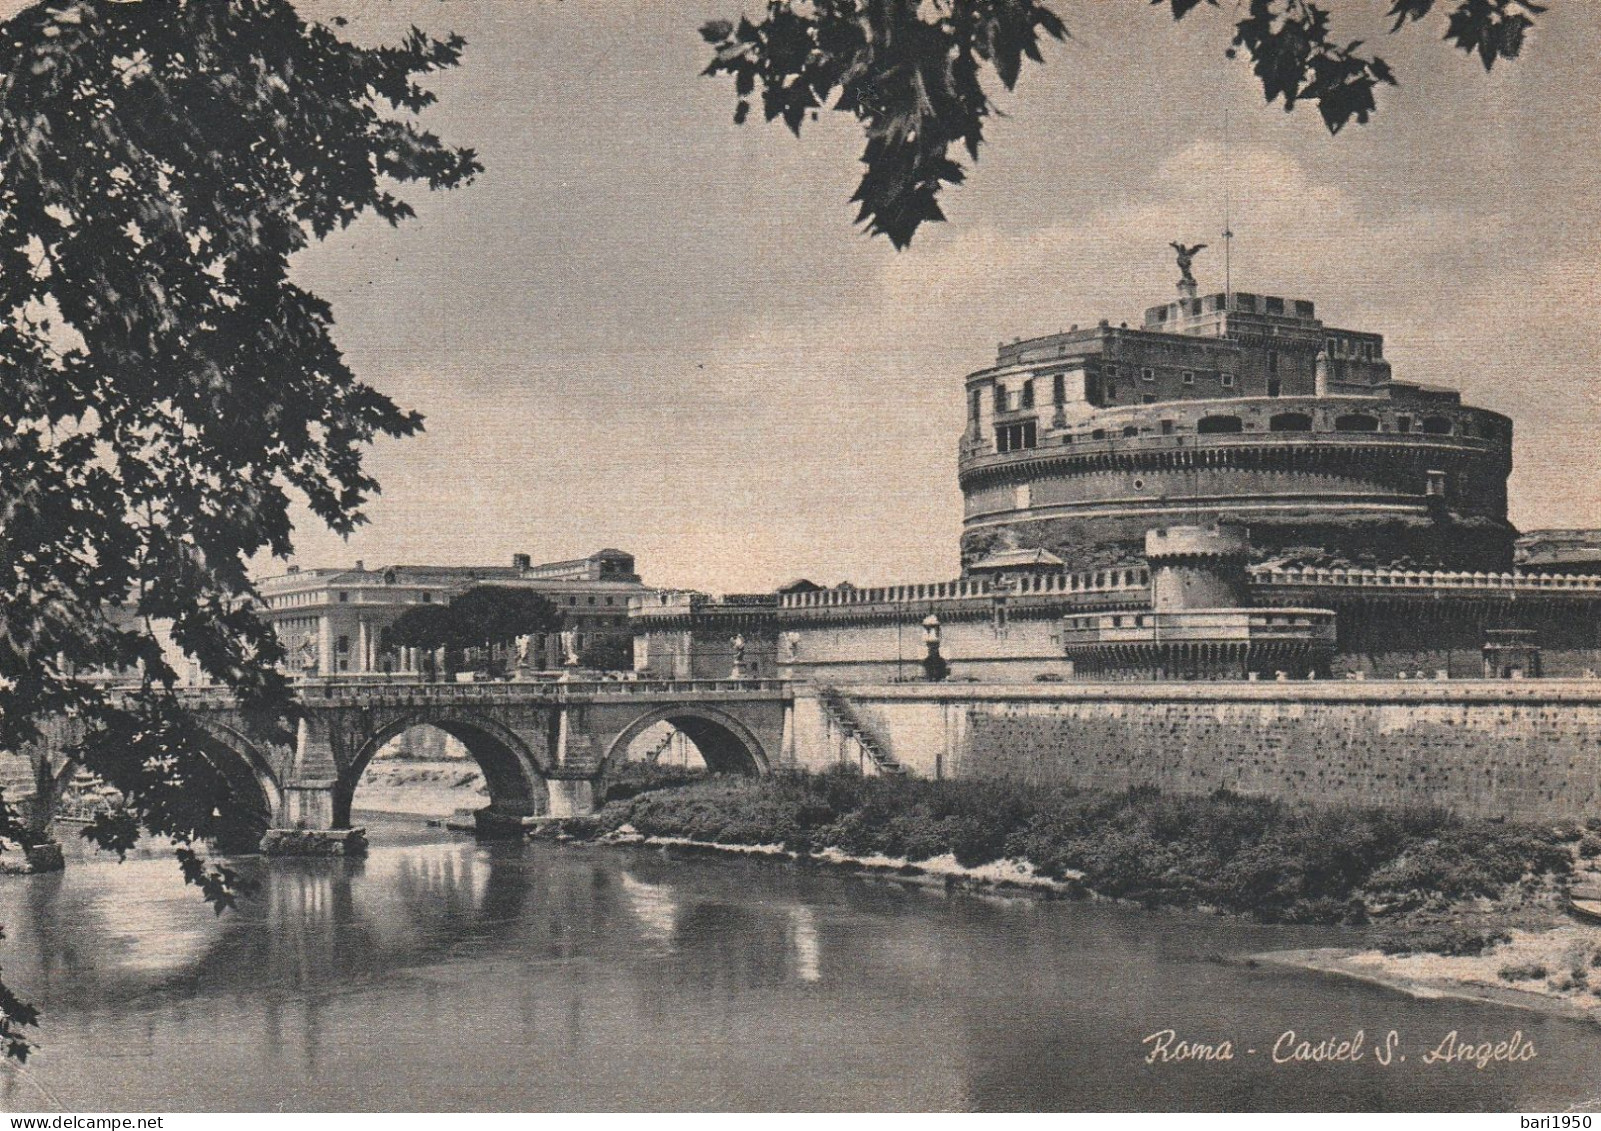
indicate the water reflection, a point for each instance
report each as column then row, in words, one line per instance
column 443, row 974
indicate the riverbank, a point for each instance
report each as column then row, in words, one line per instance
column 1547, row 970
column 421, row 787
column 944, row 871
column 1274, row 861
column 1454, row 907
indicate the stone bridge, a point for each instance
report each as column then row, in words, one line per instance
column 545, row 749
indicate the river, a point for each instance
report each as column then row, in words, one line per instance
column 441, row 974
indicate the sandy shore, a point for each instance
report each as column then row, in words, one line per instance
column 421, row 788
column 1548, row 971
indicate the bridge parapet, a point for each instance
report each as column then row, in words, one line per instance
column 365, row 692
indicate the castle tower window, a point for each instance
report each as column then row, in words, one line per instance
column 1028, row 394
column 1210, row 425
column 1015, row 437
column 344, row 596
column 1274, row 386
column 1290, row 422
column 1272, row 360
column 1000, row 397
column 1131, row 430
column 1437, row 425
column 1367, row 351
column 1356, row 422
column 1435, row 484
column 1403, row 424
column 1227, row 380
column 1148, row 398
column 1147, row 374
column 427, row 597
column 1333, row 345
column 974, row 409
column 1167, row 427
column 1189, row 377
column 1059, row 389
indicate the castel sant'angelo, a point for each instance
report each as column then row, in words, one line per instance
column 1234, row 489
column 1235, row 407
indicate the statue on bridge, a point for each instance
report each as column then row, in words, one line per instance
column 738, row 645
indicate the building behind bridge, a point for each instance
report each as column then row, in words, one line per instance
column 337, row 622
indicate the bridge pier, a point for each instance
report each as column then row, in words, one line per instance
column 572, row 796
column 39, row 812
column 304, row 823
column 499, row 822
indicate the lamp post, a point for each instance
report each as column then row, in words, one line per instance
column 935, row 668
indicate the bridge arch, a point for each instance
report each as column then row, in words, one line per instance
column 725, row 744
column 515, row 779
column 250, row 777
column 248, row 774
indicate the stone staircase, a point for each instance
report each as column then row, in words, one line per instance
column 850, row 723
column 660, row 748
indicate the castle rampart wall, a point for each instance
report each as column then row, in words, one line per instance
column 1522, row 749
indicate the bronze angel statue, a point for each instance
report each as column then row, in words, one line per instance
column 1186, row 258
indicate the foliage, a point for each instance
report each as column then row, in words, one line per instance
column 630, row 779
column 485, row 615
column 430, row 627
column 605, row 653
column 1523, row 972
column 913, row 73
column 1276, row 861
column 168, row 388
column 496, row 614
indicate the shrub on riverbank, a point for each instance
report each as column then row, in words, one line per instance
column 1278, row 861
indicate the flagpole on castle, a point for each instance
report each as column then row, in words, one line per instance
column 1228, row 231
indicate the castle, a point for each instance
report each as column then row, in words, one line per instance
column 1234, row 490
column 1234, row 407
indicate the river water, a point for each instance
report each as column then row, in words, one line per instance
column 441, row 974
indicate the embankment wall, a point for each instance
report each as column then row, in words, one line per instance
column 1523, row 749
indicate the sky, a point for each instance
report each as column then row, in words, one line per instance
column 646, row 327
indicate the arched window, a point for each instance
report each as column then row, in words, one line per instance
column 1290, row 422
column 1437, row 425
column 1356, row 422
column 1211, row 424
